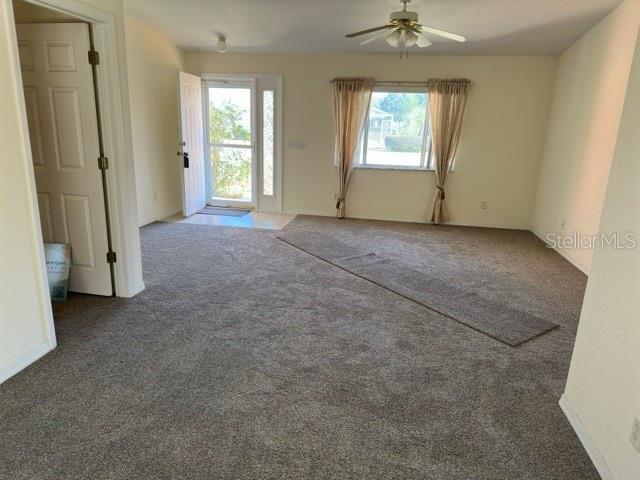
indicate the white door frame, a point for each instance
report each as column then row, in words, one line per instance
column 278, row 150
column 117, row 143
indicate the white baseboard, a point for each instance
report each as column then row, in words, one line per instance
column 422, row 222
column 564, row 253
column 158, row 218
column 25, row 360
column 587, row 442
column 487, row 225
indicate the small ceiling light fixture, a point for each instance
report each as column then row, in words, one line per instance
column 222, row 43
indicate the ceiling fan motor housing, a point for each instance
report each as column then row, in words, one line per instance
column 403, row 17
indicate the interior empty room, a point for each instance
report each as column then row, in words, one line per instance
column 374, row 239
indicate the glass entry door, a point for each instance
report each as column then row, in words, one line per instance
column 232, row 143
column 243, row 124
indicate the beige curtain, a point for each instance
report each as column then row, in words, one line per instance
column 351, row 98
column 447, row 101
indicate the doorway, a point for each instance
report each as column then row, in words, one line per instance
column 243, row 148
column 232, row 144
column 70, row 150
column 67, row 148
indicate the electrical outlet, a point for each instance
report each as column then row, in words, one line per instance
column 155, row 196
column 635, row 434
column 484, row 205
column 563, row 224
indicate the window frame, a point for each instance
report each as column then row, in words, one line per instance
column 426, row 155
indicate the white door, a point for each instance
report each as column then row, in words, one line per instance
column 192, row 144
column 61, row 113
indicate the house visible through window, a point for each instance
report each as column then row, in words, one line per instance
column 397, row 133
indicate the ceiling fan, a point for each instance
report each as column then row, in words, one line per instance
column 403, row 30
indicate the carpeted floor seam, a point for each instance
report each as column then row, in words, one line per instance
column 417, row 302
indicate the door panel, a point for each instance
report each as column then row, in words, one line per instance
column 61, row 114
column 77, row 229
column 192, row 145
column 46, row 220
column 26, row 55
column 67, row 128
column 60, row 56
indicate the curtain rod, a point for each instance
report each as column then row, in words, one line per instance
column 399, row 82
column 394, row 82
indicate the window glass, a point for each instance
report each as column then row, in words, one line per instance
column 396, row 133
column 267, row 142
column 230, row 112
column 231, row 173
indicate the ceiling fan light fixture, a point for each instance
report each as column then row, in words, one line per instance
column 393, row 39
column 410, row 38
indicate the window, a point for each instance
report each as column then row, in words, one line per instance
column 397, row 133
column 268, row 139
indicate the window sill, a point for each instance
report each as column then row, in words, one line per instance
column 395, row 168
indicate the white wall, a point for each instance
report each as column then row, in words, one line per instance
column 25, row 311
column 589, row 94
column 500, row 150
column 603, row 388
column 153, row 64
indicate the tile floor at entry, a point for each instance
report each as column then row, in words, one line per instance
column 269, row 221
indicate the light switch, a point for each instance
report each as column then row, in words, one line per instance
column 297, row 145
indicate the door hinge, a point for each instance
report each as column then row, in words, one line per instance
column 94, row 57
column 111, row 257
column 103, row 163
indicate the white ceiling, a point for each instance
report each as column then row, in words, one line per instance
column 493, row 27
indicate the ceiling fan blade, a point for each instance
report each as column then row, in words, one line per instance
column 442, row 33
column 376, row 36
column 423, row 41
column 370, row 30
